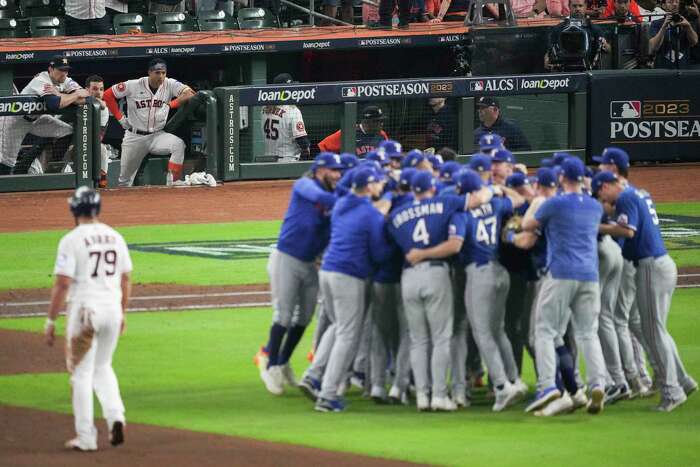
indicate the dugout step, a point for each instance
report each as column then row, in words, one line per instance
column 153, row 171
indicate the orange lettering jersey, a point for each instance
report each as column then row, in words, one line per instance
column 148, row 111
column 364, row 142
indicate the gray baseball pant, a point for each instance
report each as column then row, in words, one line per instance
column 560, row 301
column 322, row 323
column 458, row 345
column 485, row 298
column 361, row 363
column 294, row 289
column 517, row 316
column 135, row 147
column 345, row 296
column 656, row 281
column 14, row 129
column 427, row 300
column 610, row 272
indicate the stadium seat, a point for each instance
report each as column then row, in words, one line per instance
column 8, row 9
column 216, row 21
column 130, row 21
column 10, row 27
column 137, row 6
column 255, row 18
column 31, row 8
column 174, row 22
column 47, row 26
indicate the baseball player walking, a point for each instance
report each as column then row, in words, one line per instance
column 92, row 275
column 638, row 222
column 58, row 91
column 303, row 236
column 148, row 101
column 283, row 129
column 570, row 290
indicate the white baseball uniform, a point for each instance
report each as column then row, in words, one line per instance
column 95, row 256
column 14, row 129
column 281, row 125
column 104, row 156
column 148, row 113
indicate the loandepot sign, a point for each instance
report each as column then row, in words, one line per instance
column 215, row 249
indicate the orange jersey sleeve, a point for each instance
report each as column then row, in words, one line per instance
column 331, row 143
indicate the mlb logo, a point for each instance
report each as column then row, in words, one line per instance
column 625, row 109
column 476, row 86
column 350, row 92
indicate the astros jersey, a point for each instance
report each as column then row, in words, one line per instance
column 483, row 228
column 37, row 86
column 635, row 209
column 95, row 256
column 281, row 125
column 364, row 142
column 148, row 111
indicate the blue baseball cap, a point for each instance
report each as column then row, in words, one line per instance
column 406, row 177
column 613, row 155
column 546, row 177
column 557, row 170
column 379, row 156
column 328, row 160
column 490, row 141
column 517, row 180
column 468, row 181
column 422, row 181
column 600, row 178
column 363, row 176
column 349, row 160
column 449, row 169
column 413, row 158
column 436, row 161
column 573, row 169
column 480, row 162
column 547, row 162
column 504, row 155
column 559, row 157
column 589, row 172
column 391, row 148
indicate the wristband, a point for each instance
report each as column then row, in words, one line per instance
column 49, row 323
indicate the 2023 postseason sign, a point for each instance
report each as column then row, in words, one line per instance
column 653, row 115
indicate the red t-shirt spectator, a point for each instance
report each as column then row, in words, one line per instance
column 634, row 10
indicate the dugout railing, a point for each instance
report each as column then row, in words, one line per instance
column 550, row 109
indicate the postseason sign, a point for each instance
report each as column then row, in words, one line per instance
column 655, row 115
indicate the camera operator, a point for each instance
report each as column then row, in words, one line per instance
column 672, row 37
column 692, row 12
column 560, row 56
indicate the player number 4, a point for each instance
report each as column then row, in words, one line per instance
column 482, row 231
column 420, row 233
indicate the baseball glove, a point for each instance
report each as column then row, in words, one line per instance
column 514, row 224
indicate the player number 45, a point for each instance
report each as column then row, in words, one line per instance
column 270, row 128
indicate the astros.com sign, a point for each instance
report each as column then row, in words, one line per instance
column 22, row 108
column 550, row 84
column 285, row 95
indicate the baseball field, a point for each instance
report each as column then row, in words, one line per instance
column 200, row 312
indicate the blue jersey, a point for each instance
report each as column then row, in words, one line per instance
column 635, row 209
column 483, row 231
column 389, row 272
column 358, row 240
column 570, row 222
column 306, row 227
column 426, row 223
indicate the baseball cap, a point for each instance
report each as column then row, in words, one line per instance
column 573, row 169
column 589, row 173
column 413, row 158
column 490, row 141
column 517, row 180
column 436, row 161
column 559, row 157
column 546, row 177
column 468, row 181
column 547, row 162
column 422, row 181
column 504, row 155
column 449, row 169
column 600, row 178
column 406, row 177
column 372, row 112
column 613, row 155
column 486, row 101
column 480, row 163
column 60, row 62
column 283, row 78
column 349, row 160
column 363, row 176
column 391, row 148
column 379, row 156
column 557, row 171
column 328, row 160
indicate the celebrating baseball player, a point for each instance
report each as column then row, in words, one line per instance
column 149, row 100
column 283, row 129
column 58, row 91
column 92, row 275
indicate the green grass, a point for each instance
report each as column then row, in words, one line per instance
column 193, row 370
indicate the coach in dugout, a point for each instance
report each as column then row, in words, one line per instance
column 368, row 133
column 493, row 122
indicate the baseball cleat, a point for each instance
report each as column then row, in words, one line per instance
column 580, row 399
column 116, row 434
column 310, row 387
column 329, row 405
column 543, row 398
column 668, row 405
column 442, row 404
column 76, row 445
column 564, row 404
column 597, row 401
column 260, row 359
column 378, row 395
column 398, row 397
column 521, row 387
column 273, row 379
column 617, row 393
column 462, row 400
column 505, row 397
column 288, row 375
column 358, row 379
column 422, row 402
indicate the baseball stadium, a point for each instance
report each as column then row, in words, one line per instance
column 388, row 232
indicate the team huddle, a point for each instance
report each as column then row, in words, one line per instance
column 416, row 266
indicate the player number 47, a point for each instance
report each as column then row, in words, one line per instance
column 482, row 231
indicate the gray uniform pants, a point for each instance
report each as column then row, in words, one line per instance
column 135, row 147
column 345, row 307
column 559, row 301
column 656, row 281
column 389, row 336
column 361, row 363
column 427, row 299
column 14, row 129
column 458, row 346
column 485, row 298
column 294, row 289
column 610, row 271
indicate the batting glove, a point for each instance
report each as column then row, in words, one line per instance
column 124, row 122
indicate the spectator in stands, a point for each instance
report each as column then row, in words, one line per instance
column 454, row 10
column 368, row 134
column 528, row 8
column 493, row 122
column 693, row 10
column 87, row 18
column 623, row 10
column 670, row 32
column 116, row 7
column 166, row 6
column 440, row 129
column 330, row 8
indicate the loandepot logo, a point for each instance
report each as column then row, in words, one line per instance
column 549, row 84
column 680, row 232
column 22, row 107
column 215, row 249
column 284, row 95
